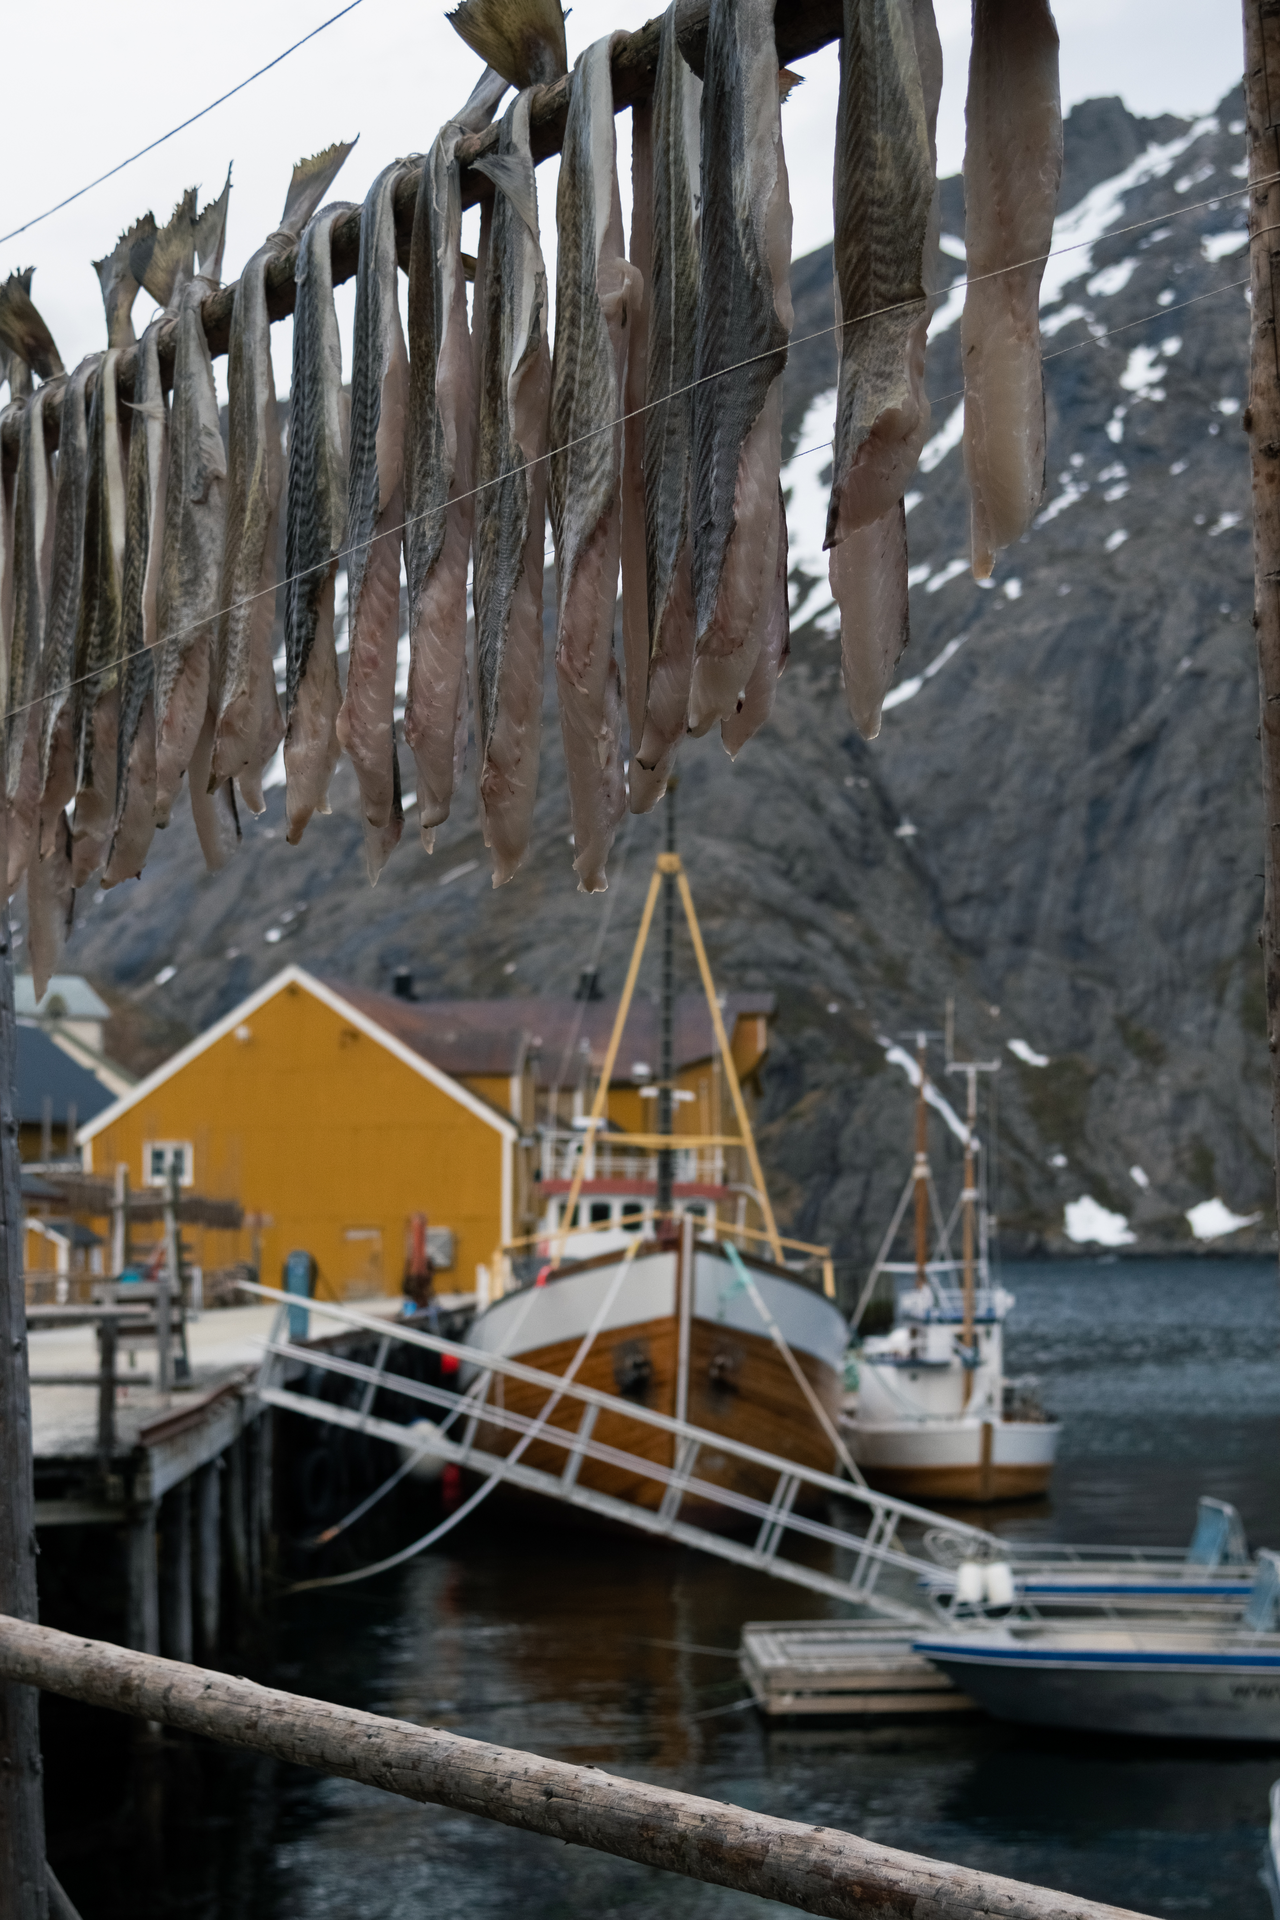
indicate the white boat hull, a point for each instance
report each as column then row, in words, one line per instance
column 1166, row 1691
column 962, row 1459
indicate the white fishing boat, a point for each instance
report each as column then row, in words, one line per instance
column 932, row 1415
column 1184, row 1680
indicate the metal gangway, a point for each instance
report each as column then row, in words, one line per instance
column 783, row 1530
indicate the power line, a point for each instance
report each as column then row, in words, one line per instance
column 180, row 128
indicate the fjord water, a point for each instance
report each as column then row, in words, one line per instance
column 610, row 1652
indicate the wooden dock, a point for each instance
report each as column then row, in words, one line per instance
column 184, row 1478
column 830, row 1669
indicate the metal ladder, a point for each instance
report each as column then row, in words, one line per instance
column 858, row 1558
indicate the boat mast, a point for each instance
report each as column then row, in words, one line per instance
column 666, row 1065
column 920, row 1167
column 969, row 1195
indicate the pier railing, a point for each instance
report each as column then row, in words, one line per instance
column 785, row 1527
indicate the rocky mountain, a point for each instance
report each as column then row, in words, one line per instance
column 1059, row 825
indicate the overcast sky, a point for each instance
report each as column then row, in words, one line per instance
column 391, row 72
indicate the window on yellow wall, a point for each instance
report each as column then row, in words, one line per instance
column 159, row 1156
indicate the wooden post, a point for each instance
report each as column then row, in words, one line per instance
column 108, row 1335
column 266, row 1425
column 23, row 1887
column 820, row 1870
column 251, row 1440
column 685, row 1289
column 237, row 1536
column 120, row 1221
column 142, row 1624
column 209, row 1554
column 175, row 1573
column 1262, row 423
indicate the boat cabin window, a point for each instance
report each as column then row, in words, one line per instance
column 601, row 1212
column 564, row 1210
column 698, row 1211
column 632, row 1211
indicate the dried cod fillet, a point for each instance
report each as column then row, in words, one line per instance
column 744, row 320
column 885, row 260
column 523, row 40
column 375, row 523
column 135, row 817
column 50, row 904
column 1012, row 169
column 57, row 669
column 672, row 295
column 249, row 723
column 635, row 581
column 97, row 663
column 439, row 469
column 514, row 390
column 32, row 558
column 756, row 704
column 211, row 235
column 190, row 557
column 315, row 521
column 595, row 290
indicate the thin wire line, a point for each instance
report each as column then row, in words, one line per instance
column 676, row 393
column 180, row 128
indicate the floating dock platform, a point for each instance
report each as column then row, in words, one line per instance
column 832, row 1669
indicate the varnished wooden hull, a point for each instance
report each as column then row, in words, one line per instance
column 738, row 1384
column 926, row 1484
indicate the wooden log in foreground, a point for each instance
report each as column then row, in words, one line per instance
column 818, row 1869
column 800, row 27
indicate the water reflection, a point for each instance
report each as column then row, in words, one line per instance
column 608, row 1651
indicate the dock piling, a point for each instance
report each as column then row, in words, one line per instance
column 208, row 1503
column 175, row 1574
column 142, row 1604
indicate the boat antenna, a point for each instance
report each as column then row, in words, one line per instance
column 666, row 1069
column 969, row 1196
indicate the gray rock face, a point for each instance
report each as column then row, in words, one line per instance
column 1059, row 826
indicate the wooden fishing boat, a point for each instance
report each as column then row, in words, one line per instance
column 678, row 1331
column 654, row 1299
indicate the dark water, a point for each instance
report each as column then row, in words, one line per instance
column 1167, row 1378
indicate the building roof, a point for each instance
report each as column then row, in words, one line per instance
column 335, row 998
column 492, row 1037
column 45, row 1071
column 68, row 996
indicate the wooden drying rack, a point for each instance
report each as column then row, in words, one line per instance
column 800, row 28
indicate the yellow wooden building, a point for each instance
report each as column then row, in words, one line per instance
column 333, row 1114
column 329, row 1131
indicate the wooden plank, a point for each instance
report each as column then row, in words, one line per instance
column 819, row 1870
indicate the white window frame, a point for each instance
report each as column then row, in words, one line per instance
column 167, row 1149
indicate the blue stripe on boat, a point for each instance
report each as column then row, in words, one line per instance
column 1269, row 1662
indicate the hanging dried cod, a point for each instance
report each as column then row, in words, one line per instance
column 97, row 662
column 595, row 290
column 315, row 521
column 32, row 563
column 191, row 551
column 375, row 523
column 885, row 269
column 439, row 468
column 744, row 320
column 1012, row 169
column 514, row 390
column 663, row 671
column 249, row 723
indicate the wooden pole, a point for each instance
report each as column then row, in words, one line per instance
column 1262, row 424
column 142, row 1581
column 820, row 1870
column 175, row 1573
column 23, row 1887
column 208, row 1502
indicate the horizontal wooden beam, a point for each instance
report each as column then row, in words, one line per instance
column 820, row 1870
column 800, row 27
